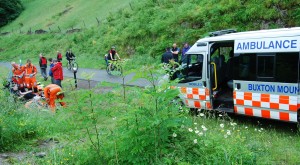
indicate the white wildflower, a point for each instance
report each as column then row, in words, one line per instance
column 200, row 134
column 220, row 115
column 195, row 123
column 190, row 130
column 246, row 127
column 222, row 125
column 196, row 131
column 233, row 124
column 174, row 134
column 195, row 141
column 204, row 128
column 228, row 132
column 114, row 118
column 201, row 114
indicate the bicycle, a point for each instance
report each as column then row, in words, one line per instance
column 72, row 64
column 114, row 68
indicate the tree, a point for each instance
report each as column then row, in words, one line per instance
column 9, row 10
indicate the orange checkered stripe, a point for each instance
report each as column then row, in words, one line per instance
column 272, row 101
column 273, row 106
column 269, row 114
column 195, row 97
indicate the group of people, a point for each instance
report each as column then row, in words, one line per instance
column 172, row 53
column 24, row 78
column 55, row 71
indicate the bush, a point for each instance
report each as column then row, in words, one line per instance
column 9, row 10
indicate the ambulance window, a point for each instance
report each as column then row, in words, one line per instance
column 265, row 66
column 244, row 67
column 193, row 70
column 287, row 67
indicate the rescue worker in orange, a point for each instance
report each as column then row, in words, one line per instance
column 18, row 74
column 29, row 72
column 51, row 93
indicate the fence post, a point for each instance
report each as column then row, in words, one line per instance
column 130, row 6
column 98, row 21
column 84, row 24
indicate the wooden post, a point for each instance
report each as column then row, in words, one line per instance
column 98, row 21
column 130, row 6
column 84, row 24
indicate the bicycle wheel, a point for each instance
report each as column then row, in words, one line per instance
column 74, row 66
column 108, row 70
column 68, row 66
column 119, row 71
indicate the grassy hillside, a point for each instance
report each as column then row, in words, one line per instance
column 42, row 14
column 143, row 30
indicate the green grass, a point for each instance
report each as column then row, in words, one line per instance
column 44, row 14
column 131, row 125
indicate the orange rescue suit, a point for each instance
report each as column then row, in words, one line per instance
column 30, row 81
column 18, row 76
column 50, row 92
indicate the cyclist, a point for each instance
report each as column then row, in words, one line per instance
column 111, row 54
column 70, row 56
column 51, row 93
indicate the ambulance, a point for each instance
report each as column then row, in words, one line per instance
column 254, row 73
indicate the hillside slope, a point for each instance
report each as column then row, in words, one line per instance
column 143, row 30
column 42, row 14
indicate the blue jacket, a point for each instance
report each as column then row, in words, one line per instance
column 50, row 72
column 183, row 56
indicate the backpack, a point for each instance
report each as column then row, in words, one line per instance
column 44, row 61
column 59, row 56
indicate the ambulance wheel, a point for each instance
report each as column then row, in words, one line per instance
column 194, row 111
column 298, row 116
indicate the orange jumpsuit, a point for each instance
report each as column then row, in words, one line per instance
column 30, row 82
column 18, row 76
column 50, row 92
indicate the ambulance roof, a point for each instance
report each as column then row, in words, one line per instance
column 284, row 32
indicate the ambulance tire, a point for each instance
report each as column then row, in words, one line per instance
column 194, row 111
column 298, row 117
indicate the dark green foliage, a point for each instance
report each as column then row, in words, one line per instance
column 9, row 10
column 156, row 24
column 144, row 30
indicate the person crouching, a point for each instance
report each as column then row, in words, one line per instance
column 53, row 92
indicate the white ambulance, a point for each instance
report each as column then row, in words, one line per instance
column 253, row 73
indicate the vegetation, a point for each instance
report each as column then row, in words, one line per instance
column 130, row 125
column 9, row 10
column 143, row 127
column 143, row 30
column 63, row 14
